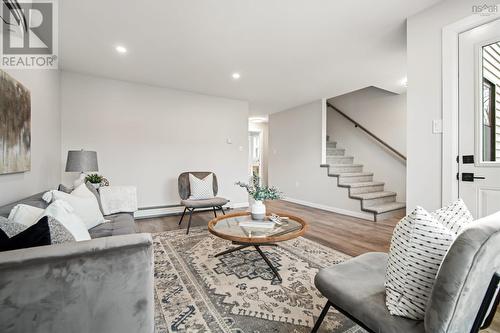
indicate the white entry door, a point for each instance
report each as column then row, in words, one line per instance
column 479, row 119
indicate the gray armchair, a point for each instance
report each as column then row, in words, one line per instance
column 102, row 285
column 191, row 205
column 464, row 298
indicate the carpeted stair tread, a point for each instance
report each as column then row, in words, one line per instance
column 335, row 152
column 343, row 165
column 385, row 207
column 363, row 184
column 373, row 195
column 355, row 174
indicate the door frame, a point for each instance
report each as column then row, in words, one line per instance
column 450, row 92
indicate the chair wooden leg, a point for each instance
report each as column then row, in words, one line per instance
column 321, row 317
column 215, row 212
column 222, row 209
column 183, row 213
column 190, row 217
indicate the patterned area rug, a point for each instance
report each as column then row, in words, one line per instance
column 196, row 292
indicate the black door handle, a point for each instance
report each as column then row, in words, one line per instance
column 469, row 177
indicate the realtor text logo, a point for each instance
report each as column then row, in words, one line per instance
column 485, row 9
column 29, row 34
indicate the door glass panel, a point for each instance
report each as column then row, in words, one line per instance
column 490, row 103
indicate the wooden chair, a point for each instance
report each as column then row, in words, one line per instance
column 191, row 205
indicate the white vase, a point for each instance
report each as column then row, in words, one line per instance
column 96, row 186
column 258, row 210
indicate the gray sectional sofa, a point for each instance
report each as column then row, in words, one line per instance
column 101, row 285
column 119, row 224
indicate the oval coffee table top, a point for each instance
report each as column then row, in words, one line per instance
column 240, row 228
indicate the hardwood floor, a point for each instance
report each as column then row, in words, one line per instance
column 347, row 234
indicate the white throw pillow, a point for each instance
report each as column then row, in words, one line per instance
column 84, row 203
column 25, row 214
column 65, row 214
column 454, row 217
column 201, row 188
column 419, row 244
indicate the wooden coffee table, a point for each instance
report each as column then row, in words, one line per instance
column 241, row 230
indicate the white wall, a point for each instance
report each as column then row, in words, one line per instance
column 424, row 100
column 45, row 137
column 146, row 136
column 382, row 113
column 295, row 158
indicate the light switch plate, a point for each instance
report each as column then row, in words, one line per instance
column 437, row 126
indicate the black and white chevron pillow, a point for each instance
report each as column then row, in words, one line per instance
column 419, row 244
column 201, row 188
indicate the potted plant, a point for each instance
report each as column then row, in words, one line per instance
column 259, row 193
column 95, row 179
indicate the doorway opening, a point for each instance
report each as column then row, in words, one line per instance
column 257, row 152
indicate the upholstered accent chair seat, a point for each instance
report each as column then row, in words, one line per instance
column 357, row 287
column 463, row 298
column 216, row 203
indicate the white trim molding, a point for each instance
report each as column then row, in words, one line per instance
column 449, row 168
column 324, row 111
column 177, row 209
column 361, row 215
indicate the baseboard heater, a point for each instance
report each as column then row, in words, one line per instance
column 168, row 210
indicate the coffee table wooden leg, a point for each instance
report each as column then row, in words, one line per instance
column 275, row 271
column 231, row 250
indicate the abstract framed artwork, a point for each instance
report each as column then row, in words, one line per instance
column 15, row 126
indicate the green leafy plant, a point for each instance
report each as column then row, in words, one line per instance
column 94, row 178
column 258, row 192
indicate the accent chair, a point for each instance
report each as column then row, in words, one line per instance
column 191, row 205
column 464, row 297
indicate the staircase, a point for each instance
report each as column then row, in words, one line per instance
column 371, row 194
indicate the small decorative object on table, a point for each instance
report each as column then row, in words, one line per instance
column 95, row 179
column 278, row 220
column 260, row 193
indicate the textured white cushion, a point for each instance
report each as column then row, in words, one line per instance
column 58, row 232
column 84, row 203
column 419, row 244
column 25, row 214
column 11, row 228
column 201, row 188
column 65, row 214
column 454, row 217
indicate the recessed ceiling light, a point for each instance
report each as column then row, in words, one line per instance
column 121, row 49
column 236, row 76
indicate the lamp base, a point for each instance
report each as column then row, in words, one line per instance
column 80, row 180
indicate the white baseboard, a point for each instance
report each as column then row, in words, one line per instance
column 174, row 210
column 361, row 215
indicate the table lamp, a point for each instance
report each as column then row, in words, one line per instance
column 81, row 161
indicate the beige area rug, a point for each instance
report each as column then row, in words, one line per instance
column 237, row 292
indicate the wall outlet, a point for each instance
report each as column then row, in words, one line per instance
column 297, row 184
column 240, row 148
column 437, row 126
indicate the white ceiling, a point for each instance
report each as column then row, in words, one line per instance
column 288, row 52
